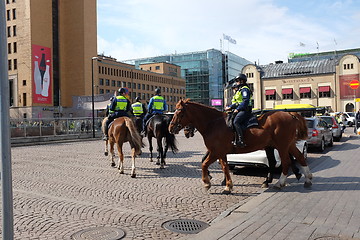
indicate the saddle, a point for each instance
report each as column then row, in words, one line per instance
column 250, row 122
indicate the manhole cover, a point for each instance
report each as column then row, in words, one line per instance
column 99, row 233
column 186, row 226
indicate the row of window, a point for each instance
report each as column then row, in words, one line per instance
column 249, row 75
column 135, row 75
column 12, row 49
column 8, row 1
column 271, row 94
column 349, row 66
column 8, row 14
column 144, row 87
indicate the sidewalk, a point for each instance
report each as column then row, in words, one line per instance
column 329, row 210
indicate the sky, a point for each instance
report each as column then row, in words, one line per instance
column 265, row 31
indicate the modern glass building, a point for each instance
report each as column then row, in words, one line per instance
column 206, row 72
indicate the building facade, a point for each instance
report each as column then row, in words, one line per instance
column 205, row 72
column 329, row 82
column 50, row 45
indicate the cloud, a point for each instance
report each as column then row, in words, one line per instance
column 264, row 30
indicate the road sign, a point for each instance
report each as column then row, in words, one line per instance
column 357, row 99
column 354, row 84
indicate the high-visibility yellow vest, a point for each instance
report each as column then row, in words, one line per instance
column 137, row 108
column 121, row 103
column 238, row 98
column 158, row 103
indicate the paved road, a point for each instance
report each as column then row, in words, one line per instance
column 63, row 188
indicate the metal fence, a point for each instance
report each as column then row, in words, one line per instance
column 50, row 127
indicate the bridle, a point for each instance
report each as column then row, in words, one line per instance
column 180, row 113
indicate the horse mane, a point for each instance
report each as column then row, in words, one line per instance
column 210, row 109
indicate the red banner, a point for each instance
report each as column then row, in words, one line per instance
column 345, row 90
column 41, row 75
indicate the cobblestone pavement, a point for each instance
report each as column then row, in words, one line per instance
column 60, row 189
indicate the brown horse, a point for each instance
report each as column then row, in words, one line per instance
column 123, row 130
column 276, row 129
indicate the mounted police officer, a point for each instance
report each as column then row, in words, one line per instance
column 157, row 105
column 138, row 110
column 108, row 111
column 120, row 105
column 242, row 103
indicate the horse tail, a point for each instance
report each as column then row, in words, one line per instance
column 135, row 136
column 302, row 129
column 171, row 141
column 103, row 124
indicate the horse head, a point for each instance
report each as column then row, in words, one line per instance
column 180, row 119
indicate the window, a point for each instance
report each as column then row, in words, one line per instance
column 14, row 13
column 101, row 82
column 143, row 87
column 107, row 90
column 24, row 100
column 8, row 15
column 305, row 92
column 134, row 85
column 113, row 83
column 287, row 93
column 270, row 94
column 129, row 84
column 15, row 64
column 9, row 31
column 9, row 48
column 24, row 82
column 14, row 30
column 107, row 82
column 124, row 84
column 101, row 91
column 157, row 68
column 15, row 47
column 118, row 83
column 9, row 64
column 7, row 1
column 139, row 86
column 324, row 91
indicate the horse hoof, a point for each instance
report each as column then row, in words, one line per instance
column 106, row 153
column 265, row 185
column 307, row 184
column 157, row 163
column 162, row 167
column 226, row 191
column 121, row 172
column 298, row 176
column 113, row 164
column 207, row 186
column 133, row 175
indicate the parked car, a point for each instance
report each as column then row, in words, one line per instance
column 319, row 133
column 336, row 127
column 350, row 118
column 259, row 159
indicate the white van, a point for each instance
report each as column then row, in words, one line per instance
column 350, row 118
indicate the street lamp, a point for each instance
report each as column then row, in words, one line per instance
column 92, row 95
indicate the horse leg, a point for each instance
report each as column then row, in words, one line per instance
column 285, row 163
column 225, row 167
column 133, row 155
column 205, row 167
column 161, row 153
column 150, row 147
column 112, row 154
column 106, row 153
column 294, row 168
column 305, row 168
column 121, row 158
column 203, row 159
column 272, row 163
column 165, row 152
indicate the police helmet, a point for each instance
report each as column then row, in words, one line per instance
column 137, row 99
column 240, row 77
column 122, row 90
column 157, row 91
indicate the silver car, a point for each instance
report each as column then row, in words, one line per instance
column 319, row 133
column 336, row 127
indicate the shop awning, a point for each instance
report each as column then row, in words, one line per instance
column 270, row 92
column 324, row 88
column 287, row 91
column 305, row 89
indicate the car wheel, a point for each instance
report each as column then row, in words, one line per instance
column 322, row 145
column 305, row 151
column 331, row 143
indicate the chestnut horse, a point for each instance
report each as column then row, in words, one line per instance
column 123, row 130
column 276, row 129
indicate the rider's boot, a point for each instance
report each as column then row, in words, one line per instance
column 239, row 142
